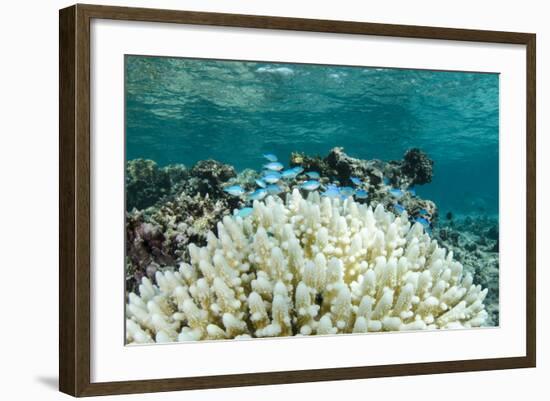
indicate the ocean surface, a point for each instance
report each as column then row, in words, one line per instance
column 185, row 110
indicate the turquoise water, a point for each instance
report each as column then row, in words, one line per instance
column 185, row 110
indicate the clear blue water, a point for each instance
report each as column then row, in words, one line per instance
column 185, row 110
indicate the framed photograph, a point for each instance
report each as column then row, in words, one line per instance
column 250, row 200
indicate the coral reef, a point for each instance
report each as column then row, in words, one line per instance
column 207, row 177
column 346, row 167
column 474, row 243
column 146, row 183
column 158, row 237
column 417, row 167
column 171, row 207
column 379, row 177
column 304, row 267
column 312, row 163
column 145, row 250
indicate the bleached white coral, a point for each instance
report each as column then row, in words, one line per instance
column 305, row 267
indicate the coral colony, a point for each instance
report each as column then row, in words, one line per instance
column 322, row 246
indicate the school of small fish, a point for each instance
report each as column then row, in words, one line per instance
column 274, row 175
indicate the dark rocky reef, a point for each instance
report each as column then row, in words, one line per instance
column 207, row 177
column 146, row 183
column 417, row 167
column 337, row 165
column 346, row 167
column 474, row 243
column 157, row 237
column 145, row 251
column 169, row 207
column 379, row 177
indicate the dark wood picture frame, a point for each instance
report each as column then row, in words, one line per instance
column 74, row 200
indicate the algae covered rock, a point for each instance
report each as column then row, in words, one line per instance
column 159, row 235
column 474, row 243
column 347, row 166
column 209, row 175
column 418, row 166
column 312, row 163
column 146, row 183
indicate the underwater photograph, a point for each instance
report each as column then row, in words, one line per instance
column 268, row 199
